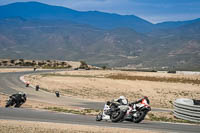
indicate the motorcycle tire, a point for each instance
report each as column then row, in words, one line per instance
column 141, row 117
column 99, row 117
column 9, row 103
column 117, row 116
column 18, row 105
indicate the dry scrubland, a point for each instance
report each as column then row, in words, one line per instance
column 12, row 126
column 49, row 66
column 35, row 63
column 99, row 85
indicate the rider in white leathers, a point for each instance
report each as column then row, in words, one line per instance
column 121, row 100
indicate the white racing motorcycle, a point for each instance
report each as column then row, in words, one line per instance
column 134, row 112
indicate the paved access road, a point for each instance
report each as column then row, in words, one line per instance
column 10, row 83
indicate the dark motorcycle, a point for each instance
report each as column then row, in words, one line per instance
column 13, row 102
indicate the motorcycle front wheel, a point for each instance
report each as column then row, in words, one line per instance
column 9, row 103
column 99, row 116
column 140, row 116
column 117, row 116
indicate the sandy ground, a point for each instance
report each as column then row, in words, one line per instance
column 11, row 126
column 5, row 70
column 93, row 85
column 131, row 73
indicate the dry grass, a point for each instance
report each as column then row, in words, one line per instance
column 12, row 126
column 96, row 86
column 166, row 117
column 156, row 79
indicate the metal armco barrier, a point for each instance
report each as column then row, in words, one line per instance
column 185, row 109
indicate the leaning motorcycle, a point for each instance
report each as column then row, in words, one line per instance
column 134, row 112
column 113, row 112
column 12, row 102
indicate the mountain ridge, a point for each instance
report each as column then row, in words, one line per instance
column 64, row 39
column 36, row 10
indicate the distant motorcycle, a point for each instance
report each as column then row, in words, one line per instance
column 134, row 112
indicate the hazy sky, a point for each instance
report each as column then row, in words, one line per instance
column 151, row 10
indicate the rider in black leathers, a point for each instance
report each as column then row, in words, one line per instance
column 19, row 98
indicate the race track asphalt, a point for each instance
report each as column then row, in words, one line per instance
column 10, row 83
column 46, row 116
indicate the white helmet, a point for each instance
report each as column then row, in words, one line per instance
column 22, row 93
column 124, row 100
column 122, row 97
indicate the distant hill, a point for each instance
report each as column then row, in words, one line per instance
column 175, row 24
column 35, row 10
column 61, row 40
column 40, row 33
column 178, row 47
